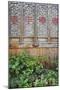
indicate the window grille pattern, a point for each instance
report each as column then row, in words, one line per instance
column 33, row 24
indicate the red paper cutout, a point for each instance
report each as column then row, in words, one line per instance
column 42, row 19
column 14, row 19
column 55, row 20
column 30, row 19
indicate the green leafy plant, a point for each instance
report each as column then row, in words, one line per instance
column 30, row 71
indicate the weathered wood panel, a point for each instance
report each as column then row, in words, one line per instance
column 52, row 53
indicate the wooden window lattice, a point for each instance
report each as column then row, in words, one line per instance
column 35, row 36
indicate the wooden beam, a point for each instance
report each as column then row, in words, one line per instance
column 38, row 37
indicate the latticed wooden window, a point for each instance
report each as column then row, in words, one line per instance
column 33, row 25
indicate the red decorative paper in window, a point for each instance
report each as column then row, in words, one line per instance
column 42, row 19
column 14, row 19
column 30, row 19
column 55, row 20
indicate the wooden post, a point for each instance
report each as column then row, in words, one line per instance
column 21, row 26
column 35, row 39
column 49, row 39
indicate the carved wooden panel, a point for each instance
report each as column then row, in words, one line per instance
column 37, row 20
